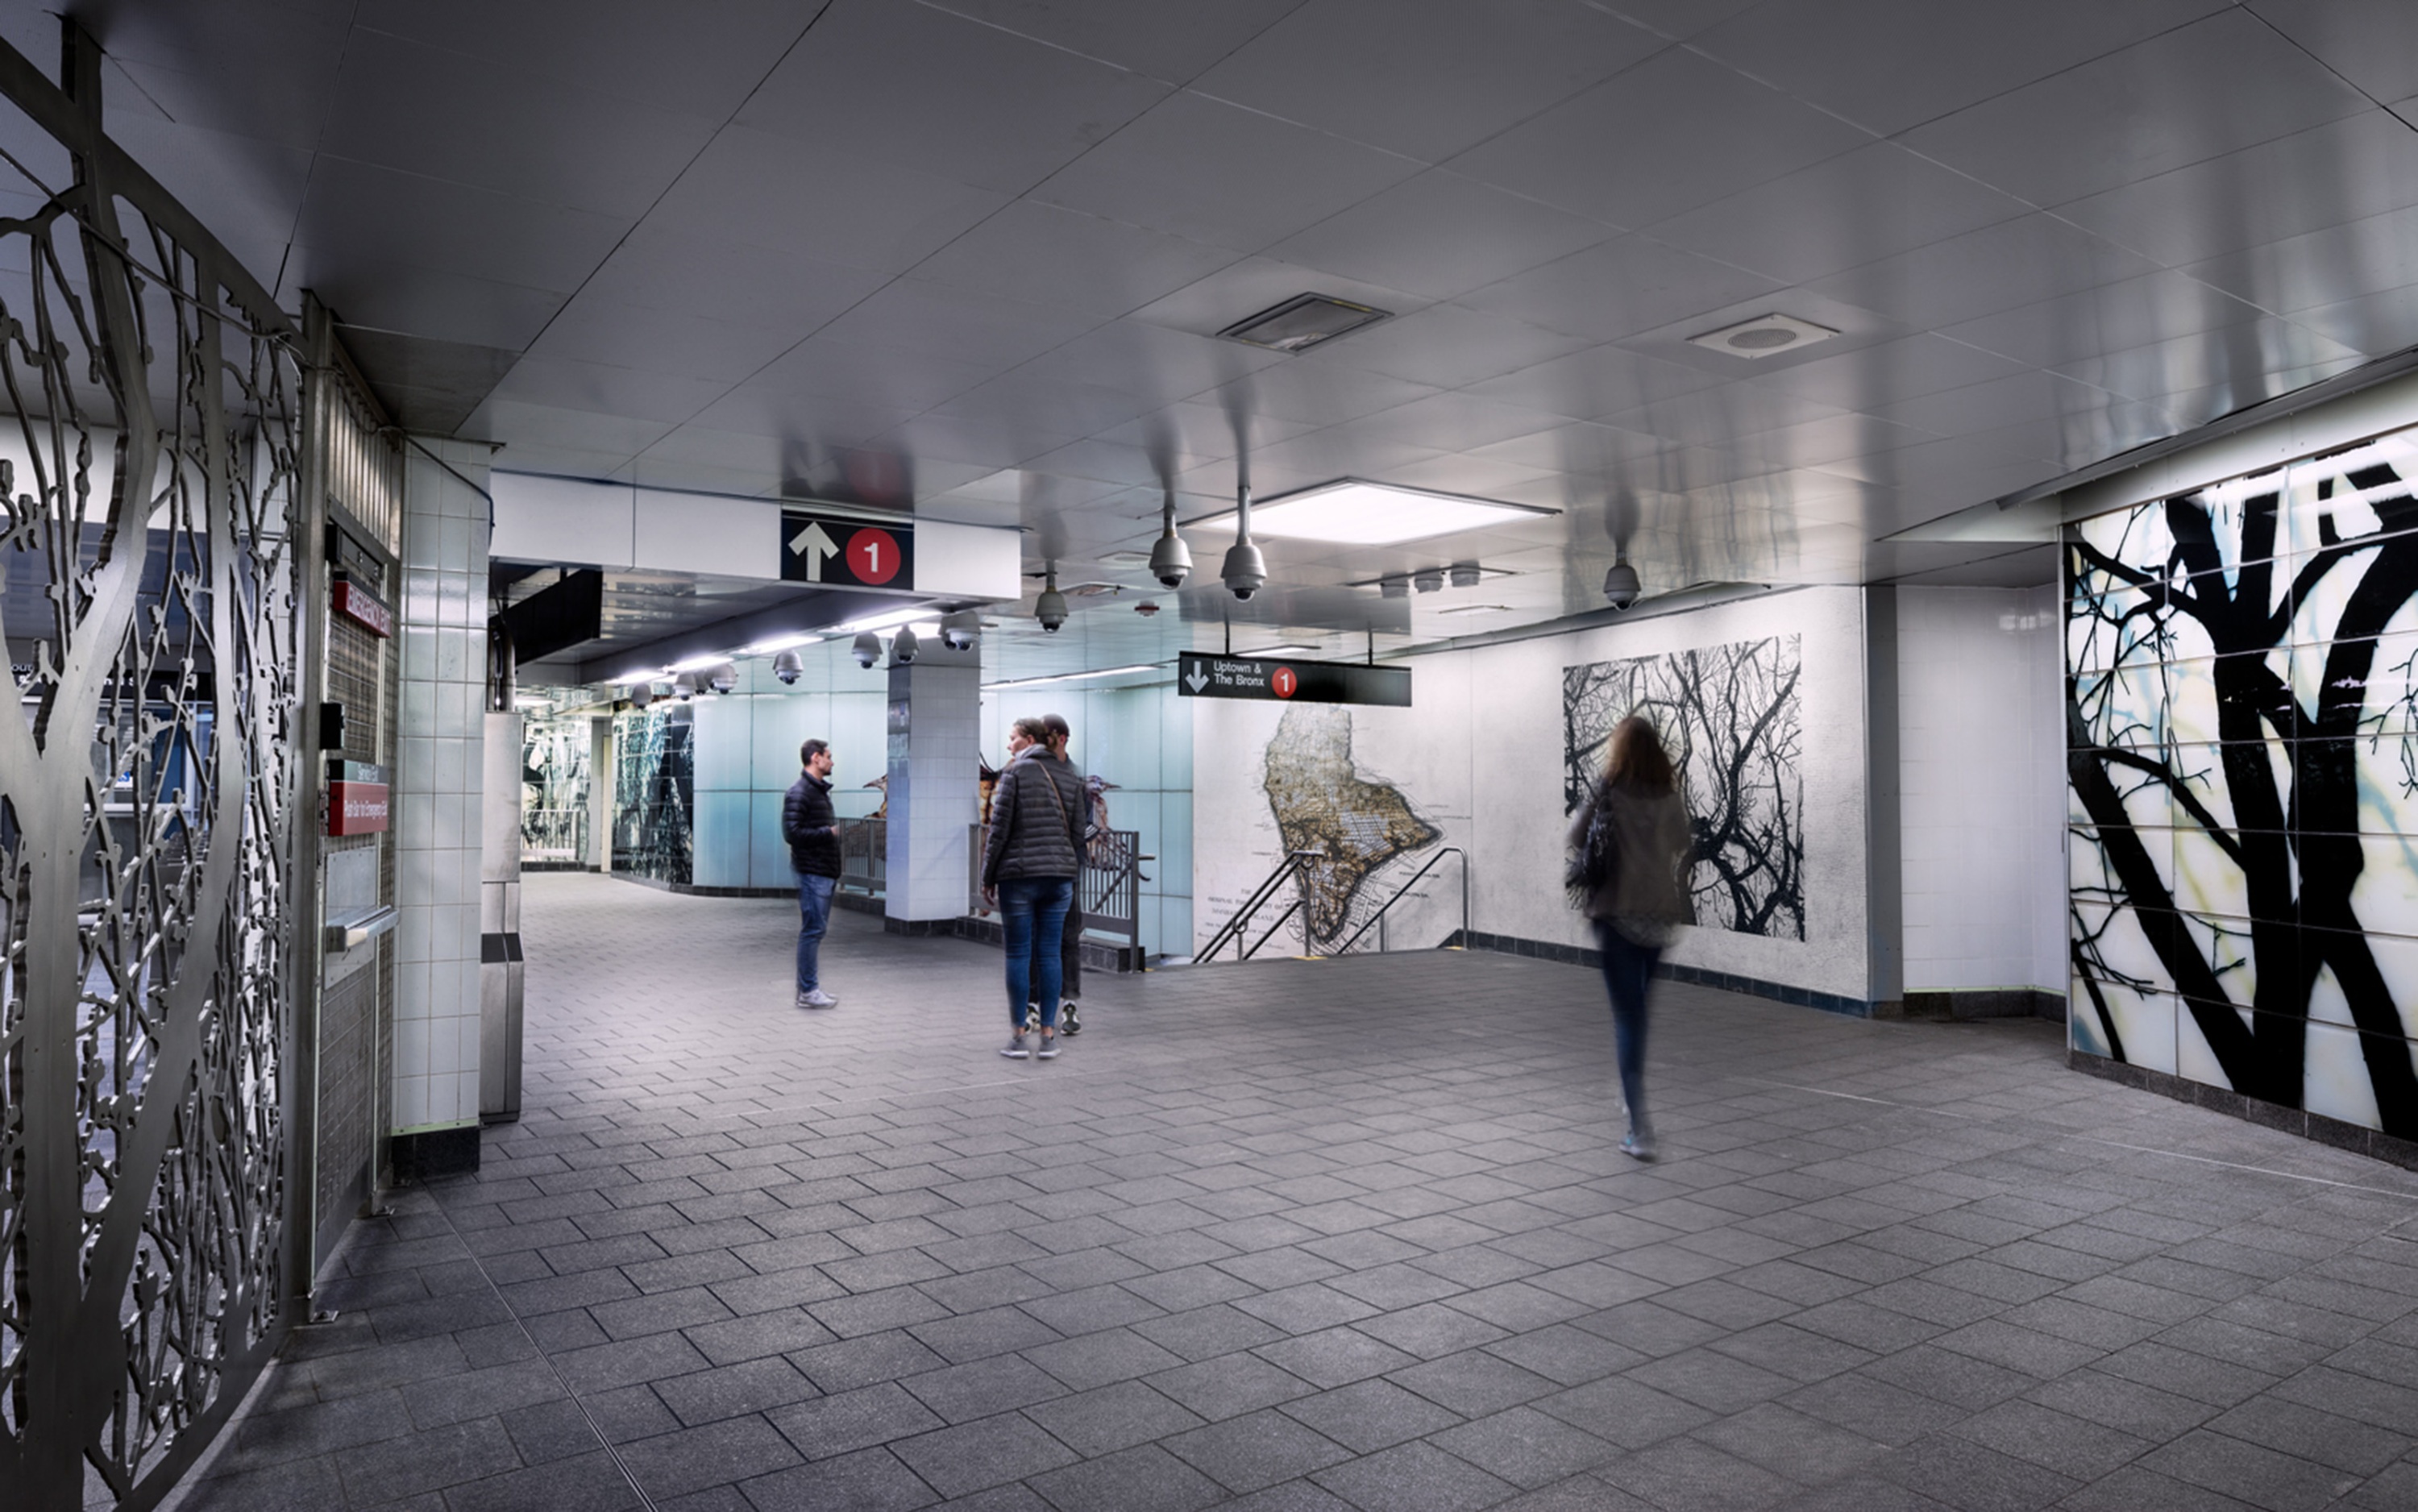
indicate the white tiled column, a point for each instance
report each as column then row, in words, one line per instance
column 439, row 777
column 935, row 739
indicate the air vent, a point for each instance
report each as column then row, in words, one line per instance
column 1763, row 336
column 1302, row 322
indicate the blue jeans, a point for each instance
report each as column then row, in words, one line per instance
column 814, row 916
column 1035, row 909
column 1628, row 972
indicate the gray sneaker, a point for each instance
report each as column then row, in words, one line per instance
column 1049, row 1051
column 1016, row 1050
column 818, row 999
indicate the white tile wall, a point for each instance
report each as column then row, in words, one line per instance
column 437, row 779
column 1982, row 779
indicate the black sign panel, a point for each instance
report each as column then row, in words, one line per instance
column 1202, row 675
column 838, row 553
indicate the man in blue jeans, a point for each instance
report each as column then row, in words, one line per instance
column 812, row 831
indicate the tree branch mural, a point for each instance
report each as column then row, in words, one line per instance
column 1731, row 716
column 2242, row 734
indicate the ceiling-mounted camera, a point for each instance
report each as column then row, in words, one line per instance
column 904, row 645
column 960, row 631
column 1245, row 571
column 684, row 686
column 867, row 648
column 1171, row 560
column 789, row 667
column 1620, row 585
column 722, row 679
column 641, row 693
column 1051, row 607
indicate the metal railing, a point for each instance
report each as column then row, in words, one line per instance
column 1231, row 930
column 1378, row 919
column 1108, row 890
column 554, row 834
column 865, row 857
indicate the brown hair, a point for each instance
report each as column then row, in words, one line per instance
column 1034, row 728
column 811, row 749
column 1637, row 762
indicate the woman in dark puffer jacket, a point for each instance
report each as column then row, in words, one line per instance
column 1030, row 862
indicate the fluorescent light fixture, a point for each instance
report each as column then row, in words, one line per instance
column 698, row 663
column 626, row 678
column 780, row 643
column 1288, row 650
column 1478, row 608
column 891, row 621
column 1070, row 677
column 1356, row 513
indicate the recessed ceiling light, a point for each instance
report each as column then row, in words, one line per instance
column 1357, row 514
column 1763, row 336
column 1303, row 321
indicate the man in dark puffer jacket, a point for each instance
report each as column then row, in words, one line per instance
column 812, row 831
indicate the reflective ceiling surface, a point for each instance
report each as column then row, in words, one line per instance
column 969, row 257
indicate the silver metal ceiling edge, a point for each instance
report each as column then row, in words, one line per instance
column 1599, row 618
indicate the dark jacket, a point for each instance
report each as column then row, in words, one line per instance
column 810, row 827
column 1036, row 820
column 1650, row 844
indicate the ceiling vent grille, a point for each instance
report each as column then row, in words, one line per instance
column 1304, row 321
column 1763, row 336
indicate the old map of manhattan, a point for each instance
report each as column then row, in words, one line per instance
column 1321, row 804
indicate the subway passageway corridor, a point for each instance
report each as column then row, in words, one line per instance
column 1310, row 1235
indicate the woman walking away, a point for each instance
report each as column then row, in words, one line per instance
column 1029, row 867
column 1630, row 845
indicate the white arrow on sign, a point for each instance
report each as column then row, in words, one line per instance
column 814, row 544
column 1197, row 681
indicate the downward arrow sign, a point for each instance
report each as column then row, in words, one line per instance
column 815, row 545
column 1197, row 681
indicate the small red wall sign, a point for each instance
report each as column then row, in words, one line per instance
column 362, row 607
column 358, row 798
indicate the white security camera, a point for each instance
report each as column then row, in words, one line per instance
column 1245, row 571
column 789, row 667
column 640, row 694
column 684, row 686
column 904, row 645
column 723, row 679
column 1171, row 560
column 960, row 631
column 867, row 648
column 1620, row 585
column 1051, row 607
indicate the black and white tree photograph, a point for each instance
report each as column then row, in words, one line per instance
column 1732, row 716
column 2242, row 765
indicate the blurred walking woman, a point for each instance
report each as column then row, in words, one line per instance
column 1029, row 867
column 1630, row 845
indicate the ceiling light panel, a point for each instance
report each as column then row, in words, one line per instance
column 1303, row 322
column 1350, row 511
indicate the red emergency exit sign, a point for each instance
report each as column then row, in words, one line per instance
column 358, row 798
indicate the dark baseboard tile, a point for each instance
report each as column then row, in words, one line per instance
column 1987, row 1002
column 436, row 1153
column 1096, row 957
column 2316, row 1127
column 1545, row 950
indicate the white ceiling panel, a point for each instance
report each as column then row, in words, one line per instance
column 1981, row 272
column 640, row 394
column 1581, row 447
column 1710, row 416
column 911, row 317
column 2218, row 86
column 531, row 425
column 259, row 183
column 1453, row 422
column 1304, row 394
column 754, row 409
column 359, row 212
column 1169, row 40
column 426, row 302
column 433, row 112
column 1204, row 169
column 1047, row 409
column 2249, row 361
column 915, row 86
column 1593, row 383
column 911, row 381
column 184, row 57
column 1152, row 364
column 1621, row 288
column 2373, row 324
column 1888, row 372
column 1037, row 254
column 594, row 329
column 2129, row 312
column 661, row 268
column 1426, row 78
column 980, row 442
column 1677, row 131
column 1245, row 287
column 1889, row 65
column 1440, row 234
column 2308, row 270
column 2373, row 44
column 1444, row 345
column 827, row 204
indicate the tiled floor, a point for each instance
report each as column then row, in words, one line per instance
column 1324, row 1235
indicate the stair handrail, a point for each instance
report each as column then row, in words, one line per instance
column 1233, row 928
column 1377, row 919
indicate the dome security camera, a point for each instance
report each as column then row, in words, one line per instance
column 1620, row 585
column 789, row 667
column 684, row 686
column 960, row 631
column 904, row 645
column 1171, row 560
column 1051, row 607
column 1245, row 571
column 641, row 693
column 867, row 648
column 723, row 679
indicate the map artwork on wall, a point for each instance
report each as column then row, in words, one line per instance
column 1732, row 718
column 1323, row 803
column 2241, row 723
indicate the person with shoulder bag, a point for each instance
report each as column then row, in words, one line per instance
column 1030, row 863
column 1628, row 848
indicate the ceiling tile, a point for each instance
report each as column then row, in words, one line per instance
column 1302, row 394
column 1710, row 417
column 1855, row 208
column 2216, row 86
column 801, row 420
column 1047, row 407
column 433, row 112
column 662, row 267
column 246, row 68
column 253, row 189
column 1198, row 431
column 1171, row 39
column 1592, row 384
column 2373, row 44
column 2252, row 361
column 1619, row 289
column 914, row 381
column 833, row 207
column 1211, row 171
column 911, row 317
column 2132, row 313
column 358, row 213
column 1155, row 365
column 1982, row 272
column 1444, row 345
column 1244, row 288
column 1673, row 133
column 1441, row 235
column 1426, row 79
column 1826, row 442
column 984, row 441
column 638, row 395
column 594, row 329
column 528, row 426
column 2373, row 325
column 1876, row 375
column 2347, row 170
column 1454, row 422
column 423, row 302
column 918, row 87
column 1582, row 448
column 1041, row 255
column 1889, row 64
column 2320, row 267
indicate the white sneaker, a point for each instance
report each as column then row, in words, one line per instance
column 818, row 999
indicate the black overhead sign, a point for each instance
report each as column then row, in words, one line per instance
column 839, row 552
column 1200, row 675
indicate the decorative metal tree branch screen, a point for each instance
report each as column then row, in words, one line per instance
column 149, row 434
column 2243, row 758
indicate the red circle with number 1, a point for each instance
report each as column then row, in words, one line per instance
column 873, row 557
column 1284, row 681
